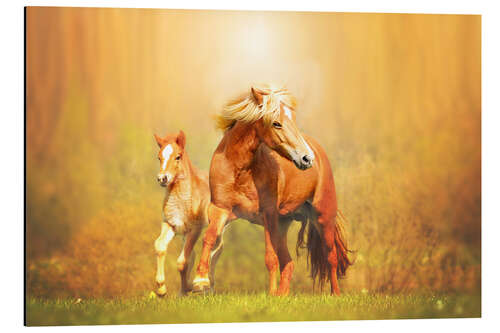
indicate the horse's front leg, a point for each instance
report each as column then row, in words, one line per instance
column 215, row 255
column 286, row 263
column 271, row 245
column 186, row 259
column 161, row 244
column 217, row 220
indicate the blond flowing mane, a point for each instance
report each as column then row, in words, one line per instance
column 247, row 110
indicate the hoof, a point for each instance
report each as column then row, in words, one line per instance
column 161, row 291
column 201, row 286
column 201, row 291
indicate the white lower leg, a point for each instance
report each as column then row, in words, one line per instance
column 161, row 245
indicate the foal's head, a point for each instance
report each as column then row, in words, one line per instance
column 170, row 156
column 282, row 134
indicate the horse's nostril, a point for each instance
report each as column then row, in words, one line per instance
column 306, row 159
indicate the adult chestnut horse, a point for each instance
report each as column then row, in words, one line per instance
column 265, row 171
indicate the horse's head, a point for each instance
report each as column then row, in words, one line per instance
column 170, row 156
column 283, row 136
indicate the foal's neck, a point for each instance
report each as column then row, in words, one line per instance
column 242, row 145
column 184, row 179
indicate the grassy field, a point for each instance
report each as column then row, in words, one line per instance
column 394, row 100
column 232, row 307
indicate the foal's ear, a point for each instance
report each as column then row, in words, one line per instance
column 159, row 140
column 181, row 139
column 258, row 95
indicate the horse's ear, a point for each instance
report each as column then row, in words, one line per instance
column 181, row 139
column 159, row 140
column 258, row 95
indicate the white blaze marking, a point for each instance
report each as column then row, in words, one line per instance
column 288, row 113
column 311, row 153
column 166, row 155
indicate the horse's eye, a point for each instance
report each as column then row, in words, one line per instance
column 276, row 125
column 178, row 157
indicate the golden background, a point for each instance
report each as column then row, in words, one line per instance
column 394, row 99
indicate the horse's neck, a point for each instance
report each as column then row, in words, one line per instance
column 241, row 145
column 183, row 183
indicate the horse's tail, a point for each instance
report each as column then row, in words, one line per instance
column 343, row 261
column 317, row 251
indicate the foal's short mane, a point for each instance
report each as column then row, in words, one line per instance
column 247, row 110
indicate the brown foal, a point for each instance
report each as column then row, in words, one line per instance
column 185, row 208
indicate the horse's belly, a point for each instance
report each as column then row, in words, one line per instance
column 293, row 199
column 297, row 189
column 251, row 216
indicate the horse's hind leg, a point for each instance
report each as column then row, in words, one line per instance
column 186, row 259
column 330, row 251
column 161, row 244
column 328, row 226
column 285, row 260
column 326, row 209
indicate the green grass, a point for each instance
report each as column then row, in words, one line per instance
column 247, row 308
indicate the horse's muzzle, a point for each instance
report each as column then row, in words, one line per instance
column 162, row 179
column 304, row 162
column 307, row 161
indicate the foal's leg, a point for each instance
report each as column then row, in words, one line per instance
column 186, row 259
column 285, row 260
column 271, row 234
column 161, row 244
column 217, row 220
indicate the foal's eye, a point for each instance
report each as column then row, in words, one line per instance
column 276, row 125
column 178, row 157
